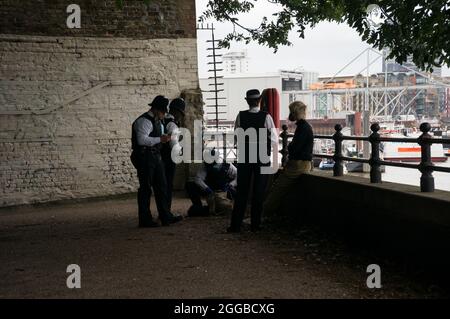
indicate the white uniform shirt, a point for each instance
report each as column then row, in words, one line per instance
column 175, row 132
column 143, row 127
column 269, row 124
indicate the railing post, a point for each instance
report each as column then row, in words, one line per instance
column 375, row 167
column 338, row 169
column 426, row 164
column 284, row 141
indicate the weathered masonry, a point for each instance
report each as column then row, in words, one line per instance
column 69, row 96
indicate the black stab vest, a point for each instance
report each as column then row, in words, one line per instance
column 217, row 178
column 257, row 120
column 156, row 132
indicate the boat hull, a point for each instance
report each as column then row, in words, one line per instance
column 416, row 159
column 411, row 152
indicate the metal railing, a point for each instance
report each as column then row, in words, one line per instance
column 426, row 166
column 222, row 142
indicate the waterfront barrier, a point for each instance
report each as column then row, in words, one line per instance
column 425, row 140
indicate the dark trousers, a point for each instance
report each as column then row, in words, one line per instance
column 245, row 173
column 195, row 193
column 169, row 168
column 151, row 174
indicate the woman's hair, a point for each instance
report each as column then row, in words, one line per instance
column 298, row 109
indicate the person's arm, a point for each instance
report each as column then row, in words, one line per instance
column 273, row 130
column 232, row 174
column 174, row 132
column 200, row 179
column 143, row 128
column 237, row 122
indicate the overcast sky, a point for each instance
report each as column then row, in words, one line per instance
column 326, row 48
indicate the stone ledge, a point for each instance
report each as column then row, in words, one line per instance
column 390, row 219
column 405, row 200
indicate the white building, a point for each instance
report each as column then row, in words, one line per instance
column 236, row 85
column 235, row 62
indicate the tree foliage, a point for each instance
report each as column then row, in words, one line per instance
column 416, row 28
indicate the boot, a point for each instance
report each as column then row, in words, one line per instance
column 211, row 200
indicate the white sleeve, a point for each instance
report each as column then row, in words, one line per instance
column 273, row 130
column 237, row 123
column 232, row 174
column 200, row 178
column 143, row 128
column 174, row 131
column 171, row 127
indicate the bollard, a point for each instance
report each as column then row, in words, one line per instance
column 375, row 167
column 426, row 165
column 284, row 141
column 338, row 169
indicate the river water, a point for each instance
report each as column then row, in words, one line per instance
column 412, row 176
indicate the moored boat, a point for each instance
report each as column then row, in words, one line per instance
column 410, row 152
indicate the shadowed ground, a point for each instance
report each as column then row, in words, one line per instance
column 193, row 259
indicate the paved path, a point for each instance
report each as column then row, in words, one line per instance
column 193, row 259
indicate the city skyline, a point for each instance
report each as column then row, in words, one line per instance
column 326, row 49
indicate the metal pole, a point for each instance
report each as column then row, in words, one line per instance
column 216, row 93
column 224, row 146
column 284, row 149
column 374, row 139
column 426, row 164
column 385, row 83
column 366, row 119
column 338, row 169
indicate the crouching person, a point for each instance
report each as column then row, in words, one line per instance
column 299, row 160
column 211, row 178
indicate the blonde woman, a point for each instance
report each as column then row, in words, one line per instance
column 299, row 161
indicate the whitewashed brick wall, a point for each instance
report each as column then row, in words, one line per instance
column 66, row 107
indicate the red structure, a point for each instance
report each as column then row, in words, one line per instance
column 270, row 103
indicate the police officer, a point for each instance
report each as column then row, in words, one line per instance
column 212, row 177
column 248, row 171
column 147, row 140
column 172, row 122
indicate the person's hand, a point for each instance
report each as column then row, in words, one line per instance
column 165, row 138
column 231, row 193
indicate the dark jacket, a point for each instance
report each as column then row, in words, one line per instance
column 301, row 147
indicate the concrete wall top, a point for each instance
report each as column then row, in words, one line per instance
column 387, row 198
column 382, row 220
column 158, row 19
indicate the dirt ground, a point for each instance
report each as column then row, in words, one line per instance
column 192, row 259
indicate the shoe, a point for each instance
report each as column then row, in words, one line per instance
column 176, row 219
column 198, row 211
column 255, row 229
column 233, row 230
column 150, row 224
column 171, row 220
column 211, row 201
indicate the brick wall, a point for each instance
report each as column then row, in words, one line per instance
column 158, row 19
column 67, row 104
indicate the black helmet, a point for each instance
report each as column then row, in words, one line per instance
column 160, row 103
column 253, row 94
column 178, row 104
